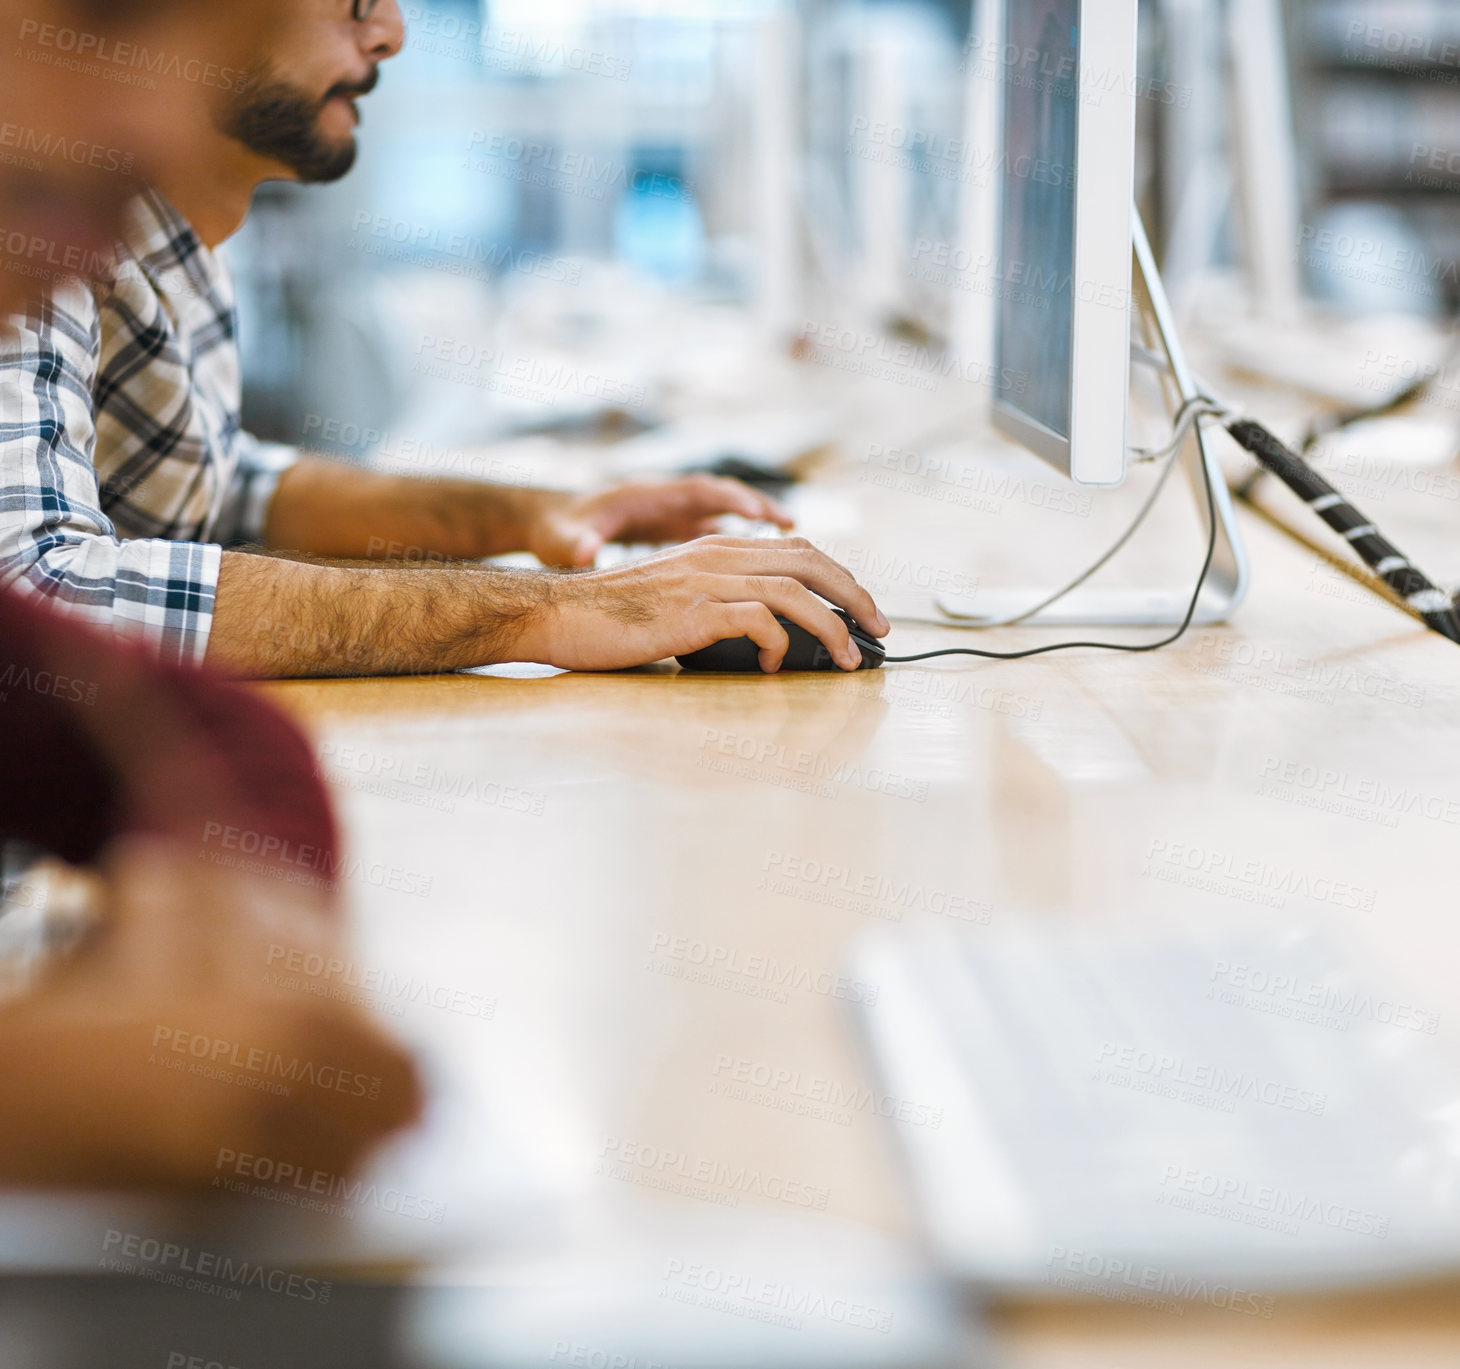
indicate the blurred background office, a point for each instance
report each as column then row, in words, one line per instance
column 588, row 216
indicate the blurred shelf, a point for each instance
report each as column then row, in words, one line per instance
column 1378, row 86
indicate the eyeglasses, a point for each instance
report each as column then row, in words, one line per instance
column 364, row 9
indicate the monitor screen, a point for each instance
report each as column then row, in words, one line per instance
column 1035, row 311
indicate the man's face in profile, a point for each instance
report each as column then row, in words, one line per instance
column 301, row 113
column 96, row 95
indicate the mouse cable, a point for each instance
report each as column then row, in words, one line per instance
column 1190, row 413
column 1198, row 409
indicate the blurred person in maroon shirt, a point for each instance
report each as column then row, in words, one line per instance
column 139, row 773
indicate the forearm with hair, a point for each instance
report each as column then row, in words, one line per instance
column 279, row 618
column 326, row 508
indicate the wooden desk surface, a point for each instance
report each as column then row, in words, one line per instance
column 646, row 821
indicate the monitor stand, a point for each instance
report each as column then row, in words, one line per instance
column 1151, row 606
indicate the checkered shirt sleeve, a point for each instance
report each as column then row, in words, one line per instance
column 55, row 539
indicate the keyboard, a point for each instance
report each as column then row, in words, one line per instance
column 1195, row 1106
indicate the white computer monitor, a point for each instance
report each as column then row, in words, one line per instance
column 1061, row 316
column 1073, row 277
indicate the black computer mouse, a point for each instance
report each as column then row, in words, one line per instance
column 741, row 655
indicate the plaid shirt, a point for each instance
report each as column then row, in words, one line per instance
column 123, row 471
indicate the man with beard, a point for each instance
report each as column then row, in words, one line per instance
column 121, row 766
column 124, row 476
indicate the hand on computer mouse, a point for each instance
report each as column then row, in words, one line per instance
column 739, row 655
column 689, row 597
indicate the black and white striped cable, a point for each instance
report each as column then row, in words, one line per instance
column 1376, row 551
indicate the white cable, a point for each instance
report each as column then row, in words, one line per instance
column 1190, row 414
